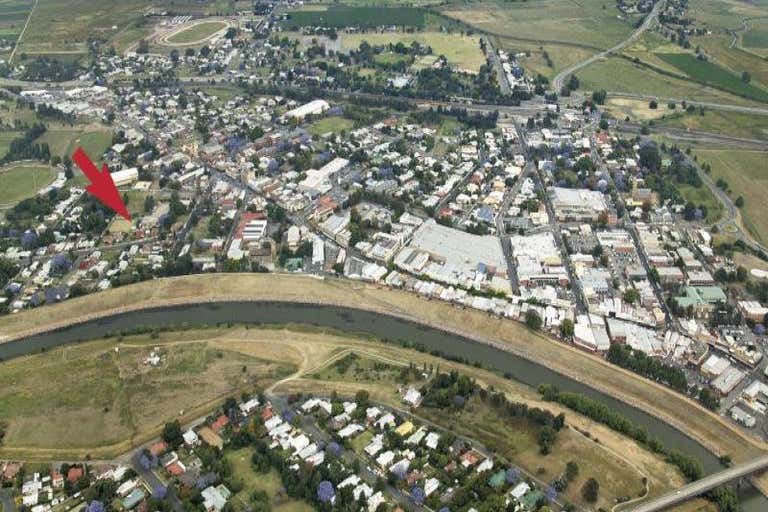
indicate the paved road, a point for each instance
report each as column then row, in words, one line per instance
column 6, row 499
column 650, row 19
column 705, row 484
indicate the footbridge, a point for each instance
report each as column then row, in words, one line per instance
column 704, row 485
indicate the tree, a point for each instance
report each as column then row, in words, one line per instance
column 653, row 105
column 746, row 77
column 631, row 296
column 532, row 320
column 590, row 490
column 172, row 433
column 566, row 328
column 571, row 470
column 739, row 202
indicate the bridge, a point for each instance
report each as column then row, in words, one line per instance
column 705, row 484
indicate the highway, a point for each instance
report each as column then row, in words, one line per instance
column 650, row 19
column 704, row 485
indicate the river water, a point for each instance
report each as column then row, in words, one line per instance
column 379, row 326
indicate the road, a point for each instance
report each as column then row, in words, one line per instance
column 7, row 501
column 700, row 487
column 650, row 19
column 23, row 31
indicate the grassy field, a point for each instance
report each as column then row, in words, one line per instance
column 734, row 124
column 536, row 62
column 104, row 399
column 13, row 15
column 702, row 196
column 5, row 141
column 636, row 110
column 620, row 75
column 330, row 124
column 714, row 75
column 19, row 182
column 735, row 59
column 197, row 32
column 757, row 36
column 461, row 50
column 685, row 414
column 343, row 16
column 559, row 21
column 270, row 483
column 59, row 26
column 747, row 176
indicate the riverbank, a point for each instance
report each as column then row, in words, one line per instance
column 702, row 425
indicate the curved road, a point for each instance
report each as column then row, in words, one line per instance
column 650, row 19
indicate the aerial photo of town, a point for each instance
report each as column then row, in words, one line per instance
column 383, row 255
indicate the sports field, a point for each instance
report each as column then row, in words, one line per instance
column 19, row 182
column 196, row 33
column 747, row 175
column 462, row 51
column 330, row 124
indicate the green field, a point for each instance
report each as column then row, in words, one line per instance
column 461, row 50
column 747, row 175
column 19, row 182
column 270, row 483
column 592, row 23
column 13, row 15
column 343, row 16
column 756, row 36
column 620, row 75
column 714, row 75
column 197, row 33
column 332, row 124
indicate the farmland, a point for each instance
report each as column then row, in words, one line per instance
column 544, row 59
column 64, row 26
column 343, row 16
column 747, row 176
column 462, row 51
column 734, row 124
column 757, row 36
column 584, row 23
column 620, row 75
column 714, row 75
column 19, row 182
column 13, row 15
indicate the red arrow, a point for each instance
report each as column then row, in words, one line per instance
column 102, row 187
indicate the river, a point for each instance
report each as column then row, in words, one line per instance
column 379, row 326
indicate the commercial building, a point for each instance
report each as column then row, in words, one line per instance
column 313, row 108
column 318, row 181
column 125, row 177
column 577, row 205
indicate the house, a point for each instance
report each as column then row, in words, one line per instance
column 211, row 438
column 214, row 498
column 190, row 438
column 74, row 474
column 412, row 396
column 221, row 422
column 158, row 448
column 404, row 429
column 133, row 499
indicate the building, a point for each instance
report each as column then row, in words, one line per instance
column 577, row 205
column 701, row 298
column 313, row 108
column 753, row 310
column 318, row 181
column 125, row 177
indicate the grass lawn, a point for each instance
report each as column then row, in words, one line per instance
column 704, row 197
column 23, row 181
column 554, row 21
column 5, row 141
column 197, row 33
column 636, row 110
column 747, row 176
column 64, row 141
column 535, row 62
column 461, row 50
column 711, row 74
column 734, row 124
column 333, row 124
column 109, row 398
column 756, row 36
column 269, row 482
